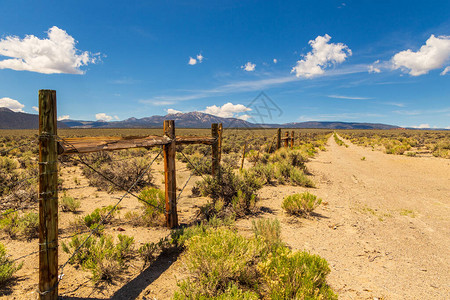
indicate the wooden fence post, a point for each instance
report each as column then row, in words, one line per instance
column 48, row 197
column 286, row 141
column 243, row 155
column 292, row 139
column 170, row 175
column 220, row 142
column 278, row 138
column 215, row 150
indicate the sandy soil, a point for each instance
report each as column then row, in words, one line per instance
column 384, row 228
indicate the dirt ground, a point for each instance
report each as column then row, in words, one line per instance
column 383, row 226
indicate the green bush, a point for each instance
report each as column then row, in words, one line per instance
column 225, row 265
column 69, row 204
column 25, row 225
column 295, row 275
column 234, row 191
column 7, row 266
column 300, row 204
column 101, row 256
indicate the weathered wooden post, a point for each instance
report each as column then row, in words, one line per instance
column 220, row 142
column 278, row 138
column 292, row 139
column 48, row 197
column 170, row 175
column 215, row 150
column 243, row 155
column 286, row 141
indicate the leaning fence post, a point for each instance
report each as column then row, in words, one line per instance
column 292, row 139
column 220, row 142
column 170, row 175
column 215, row 150
column 48, row 197
column 286, row 141
column 278, row 138
column 243, row 155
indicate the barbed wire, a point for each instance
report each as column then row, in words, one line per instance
column 3, row 152
column 94, row 230
column 8, row 186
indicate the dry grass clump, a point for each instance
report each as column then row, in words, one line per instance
column 301, row 204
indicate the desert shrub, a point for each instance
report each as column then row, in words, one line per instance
column 236, row 191
column 68, row 203
column 198, row 164
column 300, row 204
column 25, row 225
column 225, row 265
column 295, row 275
column 217, row 259
column 96, row 220
column 265, row 172
column 268, row 232
column 104, row 258
column 442, row 149
column 149, row 251
column 123, row 173
column 153, row 207
column 7, row 266
column 8, row 173
column 292, row 157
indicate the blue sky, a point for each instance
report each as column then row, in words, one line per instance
column 356, row 61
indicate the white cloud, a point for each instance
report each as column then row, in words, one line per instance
column 348, row 97
column 421, row 126
column 171, row 111
column 374, row 68
column 275, row 60
column 35, row 108
column 446, row 70
column 193, row 61
column 12, row 104
column 56, row 54
column 433, row 55
column 323, row 55
column 249, row 67
column 244, row 117
column 116, row 118
column 103, row 117
column 65, row 117
column 228, row 110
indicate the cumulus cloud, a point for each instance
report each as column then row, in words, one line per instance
column 105, row 117
column 171, row 111
column 12, row 104
column 323, row 55
column 55, row 54
column 433, row 55
column 228, row 110
column 244, row 117
column 35, row 108
column 249, row 67
column 65, row 117
column 275, row 60
column 193, row 61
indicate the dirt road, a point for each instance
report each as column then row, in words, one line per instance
column 385, row 228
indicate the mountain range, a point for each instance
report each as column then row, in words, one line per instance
column 19, row 120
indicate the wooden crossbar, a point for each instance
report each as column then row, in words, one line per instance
column 94, row 144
